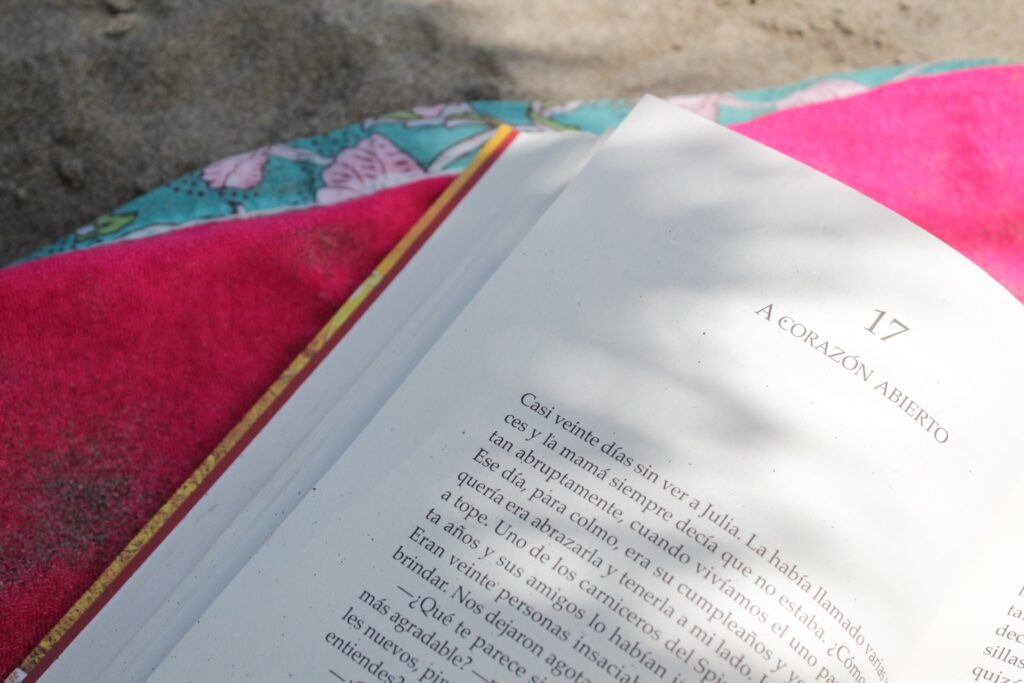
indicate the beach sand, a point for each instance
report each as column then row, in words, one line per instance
column 105, row 99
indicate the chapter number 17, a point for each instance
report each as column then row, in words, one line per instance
column 900, row 328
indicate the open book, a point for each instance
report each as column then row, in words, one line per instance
column 667, row 406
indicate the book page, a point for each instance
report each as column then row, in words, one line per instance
column 717, row 418
column 148, row 615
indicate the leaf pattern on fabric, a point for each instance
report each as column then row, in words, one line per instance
column 549, row 109
column 448, row 115
column 373, row 164
column 297, row 154
column 822, row 91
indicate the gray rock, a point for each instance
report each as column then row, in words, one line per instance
column 120, row 6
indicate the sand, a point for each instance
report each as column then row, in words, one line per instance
column 105, row 99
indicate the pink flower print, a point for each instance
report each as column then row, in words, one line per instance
column 705, row 105
column 373, row 164
column 238, row 172
column 448, row 115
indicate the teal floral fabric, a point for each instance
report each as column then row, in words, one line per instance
column 407, row 145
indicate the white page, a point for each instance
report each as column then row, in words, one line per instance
column 147, row 616
column 638, row 308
